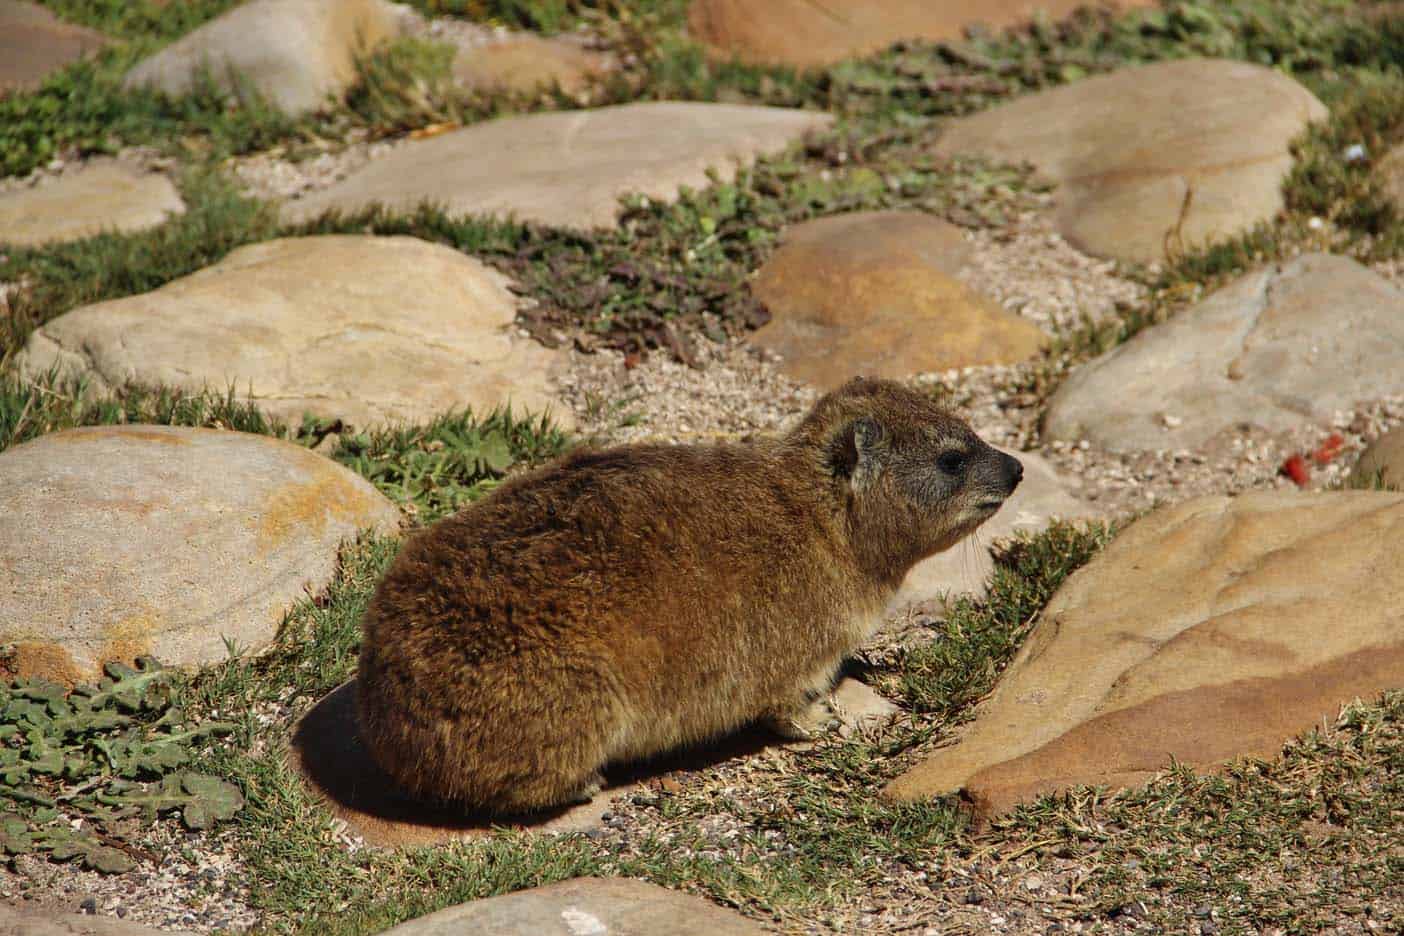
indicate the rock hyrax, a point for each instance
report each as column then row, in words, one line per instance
column 624, row 602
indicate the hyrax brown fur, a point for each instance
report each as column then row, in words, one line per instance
column 625, row 602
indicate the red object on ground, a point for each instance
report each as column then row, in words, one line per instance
column 1296, row 468
column 1329, row 449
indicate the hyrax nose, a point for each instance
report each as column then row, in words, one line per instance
column 1013, row 471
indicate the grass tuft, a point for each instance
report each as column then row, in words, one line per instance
column 435, row 469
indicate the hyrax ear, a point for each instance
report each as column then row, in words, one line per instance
column 859, row 448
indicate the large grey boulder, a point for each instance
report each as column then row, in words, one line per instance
column 1281, row 347
column 368, row 330
column 1169, row 155
column 1212, row 630
column 299, row 54
column 132, row 540
column 567, row 168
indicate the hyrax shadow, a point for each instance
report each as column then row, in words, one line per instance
column 631, row 601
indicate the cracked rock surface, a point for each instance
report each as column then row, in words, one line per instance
column 1277, row 348
column 367, row 330
column 1215, row 629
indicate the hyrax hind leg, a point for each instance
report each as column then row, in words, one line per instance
column 549, row 790
column 808, row 712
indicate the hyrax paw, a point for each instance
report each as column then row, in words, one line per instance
column 804, row 725
column 789, row 728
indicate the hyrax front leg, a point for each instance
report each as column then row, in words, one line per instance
column 809, row 713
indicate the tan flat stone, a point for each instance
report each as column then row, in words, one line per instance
column 529, row 63
column 875, row 293
column 807, row 34
column 567, row 169
column 299, row 54
column 26, row 921
column 585, row 907
column 103, row 196
column 1278, row 348
column 326, row 749
column 369, row 330
column 1174, row 154
column 1212, row 630
column 35, row 43
column 126, row 541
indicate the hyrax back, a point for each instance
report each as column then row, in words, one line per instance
column 624, row 602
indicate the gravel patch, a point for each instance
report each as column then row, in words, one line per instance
column 737, row 391
column 1027, row 267
column 196, row 884
column 274, row 175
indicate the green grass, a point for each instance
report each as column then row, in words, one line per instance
column 435, row 469
column 32, row 408
column 135, row 19
column 1305, row 841
column 978, row 638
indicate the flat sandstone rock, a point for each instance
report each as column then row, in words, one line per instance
column 1176, row 153
column 327, row 750
column 299, row 54
column 1281, row 347
column 132, row 540
column 34, row 43
column 102, row 196
column 528, row 63
column 370, row 330
column 965, row 568
column 875, row 293
column 1212, row 630
column 585, row 907
column 567, row 169
column 804, row 33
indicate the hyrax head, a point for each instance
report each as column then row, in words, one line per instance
column 913, row 477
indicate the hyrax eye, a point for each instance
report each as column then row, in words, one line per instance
column 951, row 462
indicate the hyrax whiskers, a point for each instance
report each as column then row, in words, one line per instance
column 625, row 602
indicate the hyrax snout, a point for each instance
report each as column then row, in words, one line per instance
column 624, row 602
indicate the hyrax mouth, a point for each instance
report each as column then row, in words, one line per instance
column 1008, row 471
